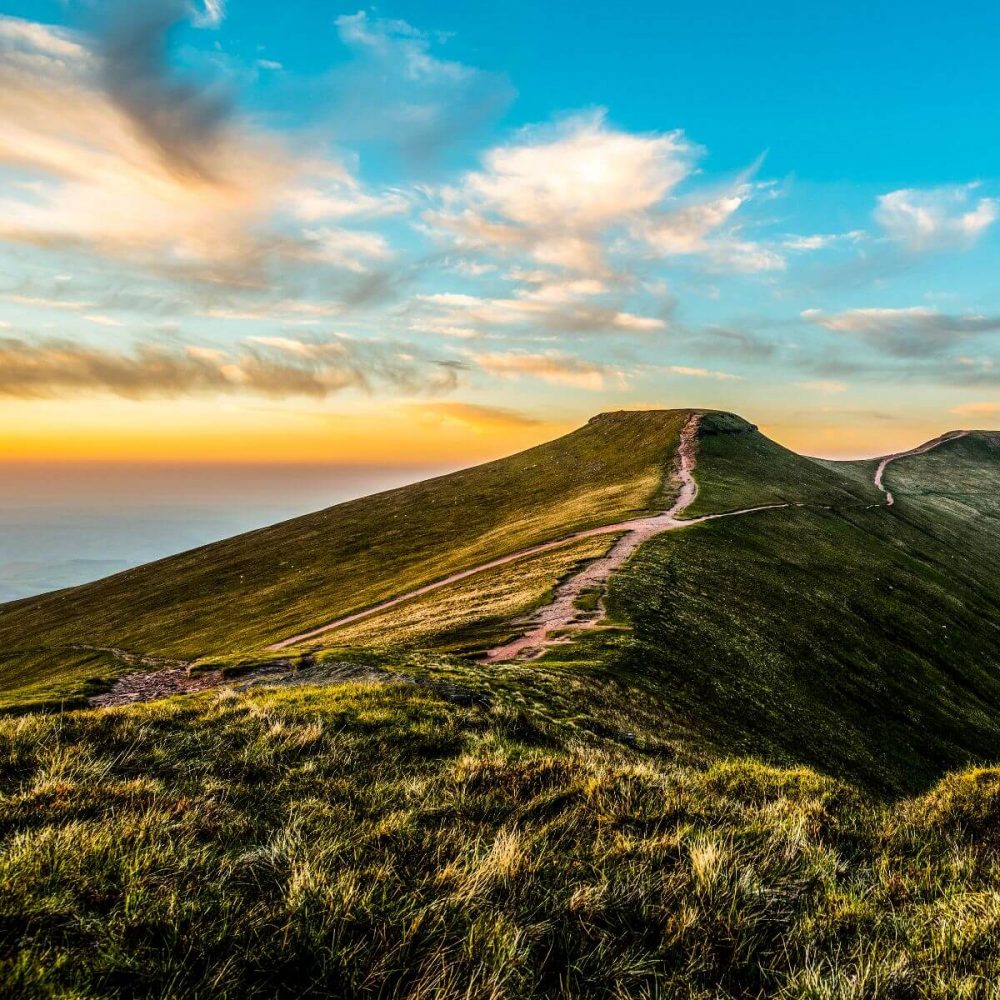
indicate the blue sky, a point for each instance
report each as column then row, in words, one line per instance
column 320, row 232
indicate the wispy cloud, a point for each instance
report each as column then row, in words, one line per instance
column 475, row 415
column 398, row 93
column 822, row 241
column 211, row 14
column 563, row 307
column 976, row 409
column 695, row 372
column 824, row 386
column 276, row 367
column 916, row 331
column 135, row 162
column 568, row 196
column 936, row 218
column 185, row 123
column 556, row 367
column 732, row 343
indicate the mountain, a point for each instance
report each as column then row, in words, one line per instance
column 659, row 708
column 838, row 632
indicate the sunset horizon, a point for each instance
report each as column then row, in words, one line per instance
column 404, row 237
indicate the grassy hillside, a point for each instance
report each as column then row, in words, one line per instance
column 248, row 591
column 856, row 639
column 385, row 840
column 738, row 789
column 841, row 639
column 739, row 467
column 865, row 642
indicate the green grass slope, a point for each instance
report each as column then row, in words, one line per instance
column 853, row 638
column 385, row 840
column 862, row 641
column 739, row 467
column 248, row 591
column 739, row 791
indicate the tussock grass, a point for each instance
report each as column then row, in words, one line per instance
column 701, row 800
column 380, row 840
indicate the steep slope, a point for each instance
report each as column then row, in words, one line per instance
column 740, row 467
column 826, row 628
column 755, row 476
column 248, row 591
column 390, row 820
column 862, row 640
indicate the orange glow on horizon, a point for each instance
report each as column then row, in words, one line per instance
column 403, row 433
column 184, row 431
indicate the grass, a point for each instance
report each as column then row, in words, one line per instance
column 51, row 679
column 768, row 777
column 474, row 613
column 826, row 638
column 739, row 467
column 223, row 846
column 249, row 591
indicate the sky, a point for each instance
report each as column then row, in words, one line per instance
column 426, row 234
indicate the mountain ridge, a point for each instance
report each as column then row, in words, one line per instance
column 454, row 567
column 755, row 757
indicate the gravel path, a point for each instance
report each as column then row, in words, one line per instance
column 919, row 450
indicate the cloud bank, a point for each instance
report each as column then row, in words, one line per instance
column 277, row 367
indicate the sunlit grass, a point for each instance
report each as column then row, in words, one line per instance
column 376, row 840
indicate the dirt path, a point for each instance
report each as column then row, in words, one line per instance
column 919, row 450
column 544, row 628
column 562, row 613
column 687, row 493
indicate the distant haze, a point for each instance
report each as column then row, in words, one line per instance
column 64, row 524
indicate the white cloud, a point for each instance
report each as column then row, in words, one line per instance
column 396, row 39
column 698, row 228
column 555, row 193
column 285, row 310
column 45, row 302
column 913, row 331
column 31, row 43
column 331, row 192
column 577, row 195
column 701, row 373
column 211, row 15
column 583, row 178
column 560, row 307
column 935, row 218
column 350, row 249
column 885, row 320
column 821, row 241
column 556, row 367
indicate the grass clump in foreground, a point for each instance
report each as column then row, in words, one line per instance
column 387, row 840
